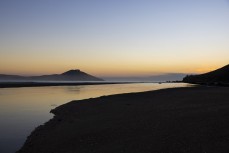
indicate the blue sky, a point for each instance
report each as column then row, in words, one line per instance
column 113, row 38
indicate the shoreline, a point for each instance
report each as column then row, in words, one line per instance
column 187, row 119
column 19, row 84
column 45, row 84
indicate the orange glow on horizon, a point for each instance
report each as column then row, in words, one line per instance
column 114, row 70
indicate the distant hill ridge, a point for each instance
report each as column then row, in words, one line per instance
column 218, row 76
column 71, row 75
column 72, row 72
column 153, row 78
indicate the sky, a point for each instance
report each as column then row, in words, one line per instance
column 113, row 37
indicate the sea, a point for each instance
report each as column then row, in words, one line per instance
column 23, row 109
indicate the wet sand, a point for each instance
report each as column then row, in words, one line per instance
column 179, row 120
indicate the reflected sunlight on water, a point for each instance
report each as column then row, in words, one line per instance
column 23, row 109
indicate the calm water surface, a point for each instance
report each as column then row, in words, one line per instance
column 23, row 109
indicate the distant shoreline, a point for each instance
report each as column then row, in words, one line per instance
column 20, row 84
column 43, row 84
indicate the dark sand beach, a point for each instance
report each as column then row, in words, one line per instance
column 179, row 120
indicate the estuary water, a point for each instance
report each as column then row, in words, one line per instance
column 23, row 109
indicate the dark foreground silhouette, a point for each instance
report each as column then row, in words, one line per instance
column 179, row 120
column 217, row 77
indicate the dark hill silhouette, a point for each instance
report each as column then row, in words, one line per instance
column 219, row 76
column 11, row 77
column 72, row 72
column 71, row 75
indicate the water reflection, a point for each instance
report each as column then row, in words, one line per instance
column 23, row 109
column 74, row 89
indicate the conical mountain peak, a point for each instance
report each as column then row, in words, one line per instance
column 72, row 72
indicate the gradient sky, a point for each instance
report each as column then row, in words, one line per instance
column 113, row 37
